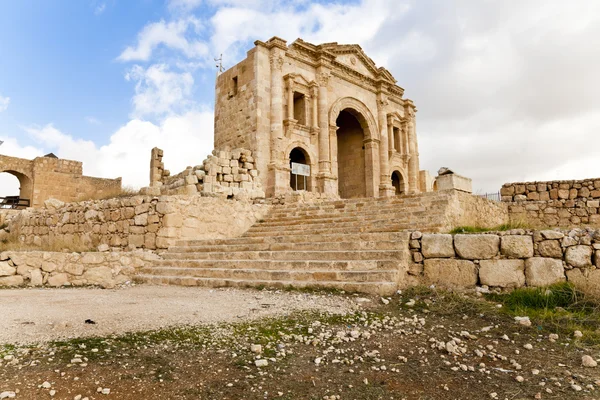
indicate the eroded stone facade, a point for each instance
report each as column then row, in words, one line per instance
column 327, row 106
column 47, row 177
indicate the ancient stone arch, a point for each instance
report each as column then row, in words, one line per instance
column 311, row 160
column 360, row 111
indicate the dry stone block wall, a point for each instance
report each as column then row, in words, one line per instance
column 230, row 174
column 507, row 259
column 134, row 222
column 104, row 269
column 554, row 204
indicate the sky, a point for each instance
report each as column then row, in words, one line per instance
column 504, row 93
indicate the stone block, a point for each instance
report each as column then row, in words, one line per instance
column 563, row 194
column 549, row 234
column 101, row 276
column 586, row 280
column 450, row 273
column 57, row 280
column 173, row 221
column 550, row 248
column 35, row 277
column 502, row 273
column 92, row 258
column 437, row 246
column 6, row 269
column 541, row 271
column 15, row 280
column 517, row 246
column 141, row 219
column 477, row 247
column 74, row 269
column 507, row 191
column 579, row 256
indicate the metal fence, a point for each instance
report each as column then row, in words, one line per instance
column 491, row 196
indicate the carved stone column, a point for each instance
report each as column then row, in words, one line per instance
column 413, row 165
column 314, row 91
column 325, row 178
column 290, row 95
column 277, row 168
column 385, row 182
column 390, row 129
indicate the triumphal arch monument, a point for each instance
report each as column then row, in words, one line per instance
column 322, row 118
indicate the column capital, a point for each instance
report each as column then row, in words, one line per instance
column 323, row 78
column 276, row 61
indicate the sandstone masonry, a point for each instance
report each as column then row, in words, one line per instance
column 507, row 259
column 554, row 204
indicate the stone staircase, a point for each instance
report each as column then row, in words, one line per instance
column 358, row 245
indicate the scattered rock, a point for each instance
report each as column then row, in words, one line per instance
column 588, row 362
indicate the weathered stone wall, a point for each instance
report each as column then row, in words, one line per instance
column 36, row 268
column 224, row 173
column 46, row 177
column 465, row 209
column 134, row 222
column 554, row 204
column 507, row 259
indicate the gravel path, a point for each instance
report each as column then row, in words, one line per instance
column 40, row 315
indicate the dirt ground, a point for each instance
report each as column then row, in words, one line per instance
column 41, row 315
column 417, row 346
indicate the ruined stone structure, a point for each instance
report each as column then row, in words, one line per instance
column 230, row 174
column 49, row 177
column 328, row 107
column 554, row 203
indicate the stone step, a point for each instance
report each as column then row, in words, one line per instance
column 303, row 211
column 378, row 288
column 384, row 228
column 288, row 255
column 302, row 246
column 275, row 275
column 322, row 219
column 350, row 225
column 300, row 238
column 298, row 265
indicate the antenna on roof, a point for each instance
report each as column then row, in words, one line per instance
column 219, row 65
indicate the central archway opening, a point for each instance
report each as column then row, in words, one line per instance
column 15, row 190
column 398, row 182
column 299, row 169
column 351, row 156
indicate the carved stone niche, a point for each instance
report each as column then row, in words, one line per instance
column 301, row 105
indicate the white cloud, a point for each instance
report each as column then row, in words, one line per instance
column 93, row 120
column 169, row 34
column 159, row 91
column 4, row 101
column 100, row 8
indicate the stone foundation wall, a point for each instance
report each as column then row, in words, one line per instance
column 554, row 204
column 465, row 209
column 507, row 259
column 133, row 222
column 53, row 269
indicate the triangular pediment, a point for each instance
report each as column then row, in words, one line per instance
column 353, row 56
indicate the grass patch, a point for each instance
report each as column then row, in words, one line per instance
column 499, row 228
column 559, row 308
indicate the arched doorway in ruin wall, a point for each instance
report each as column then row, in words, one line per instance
column 399, row 182
column 10, row 193
column 301, row 167
column 353, row 152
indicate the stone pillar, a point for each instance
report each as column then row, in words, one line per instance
column 290, row 94
column 385, row 181
column 156, row 167
column 325, row 178
column 390, row 129
column 315, row 106
column 413, row 165
column 372, row 167
column 278, row 173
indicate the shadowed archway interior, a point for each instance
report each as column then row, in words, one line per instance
column 351, row 155
column 299, row 182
